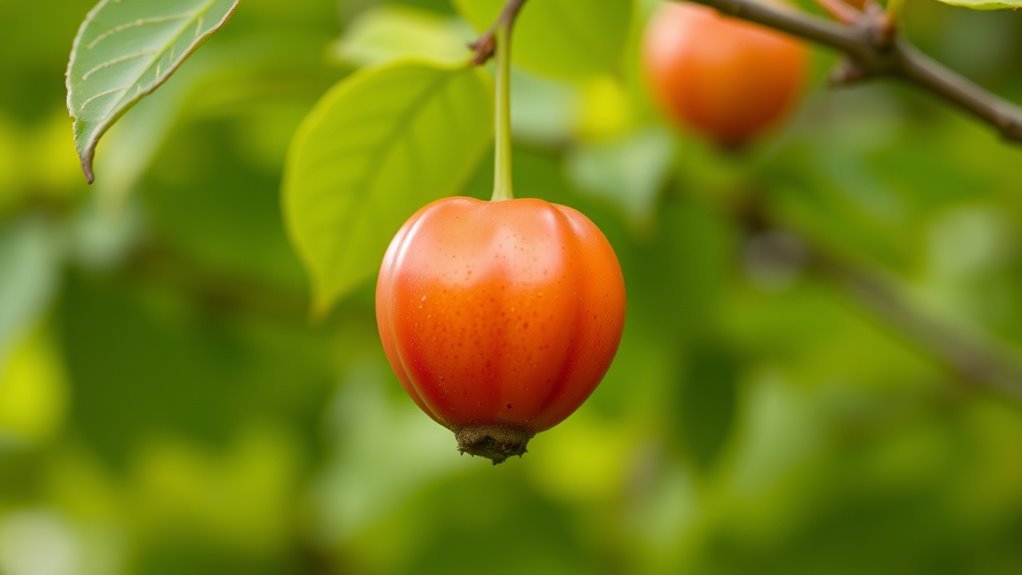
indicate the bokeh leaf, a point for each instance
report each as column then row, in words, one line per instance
column 630, row 171
column 565, row 39
column 387, row 32
column 375, row 148
column 33, row 392
column 986, row 4
column 180, row 372
column 29, row 272
column 124, row 50
column 708, row 403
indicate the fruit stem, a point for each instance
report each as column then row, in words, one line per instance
column 502, row 188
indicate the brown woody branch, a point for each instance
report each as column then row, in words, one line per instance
column 873, row 49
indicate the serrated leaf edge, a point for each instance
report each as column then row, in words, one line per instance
column 87, row 149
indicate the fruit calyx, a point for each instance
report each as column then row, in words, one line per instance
column 496, row 442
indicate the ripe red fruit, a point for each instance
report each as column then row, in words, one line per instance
column 726, row 79
column 499, row 318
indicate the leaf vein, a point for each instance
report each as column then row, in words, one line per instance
column 115, row 61
column 380, row 156
column 169, row 46
column 101, row 94
column 138, row 24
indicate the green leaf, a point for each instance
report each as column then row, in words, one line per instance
column 566, row 39
column 377, row 147
column 29, row 258
column 124, row 50
column 630, row 171
column 388, row 32
column 204, row 382
column 985, row 4
column 708, row 403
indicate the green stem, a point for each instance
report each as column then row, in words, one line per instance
column 502, row 189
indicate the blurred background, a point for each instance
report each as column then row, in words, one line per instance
column 816, row 374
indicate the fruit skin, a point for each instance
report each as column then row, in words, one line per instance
column 726, row 79
column 499, row 318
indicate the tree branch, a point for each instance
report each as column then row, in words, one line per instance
column 872, row 49
column 971, row 360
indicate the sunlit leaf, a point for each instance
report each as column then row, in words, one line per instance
column 986, row 4
column 32, row 392
column 561, row 38
column 378, row 146
column 389, row 32
column 29, row 259
column 124, row 50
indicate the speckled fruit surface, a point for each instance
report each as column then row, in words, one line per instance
column 499, row 314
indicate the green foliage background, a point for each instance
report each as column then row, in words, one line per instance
column 166, row 406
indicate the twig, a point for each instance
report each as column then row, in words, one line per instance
column 873, row 50
column 970, row 362
column 487, row 43
column 969, row 359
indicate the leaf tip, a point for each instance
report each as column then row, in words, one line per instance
column 85, row 147
column 87, row 168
